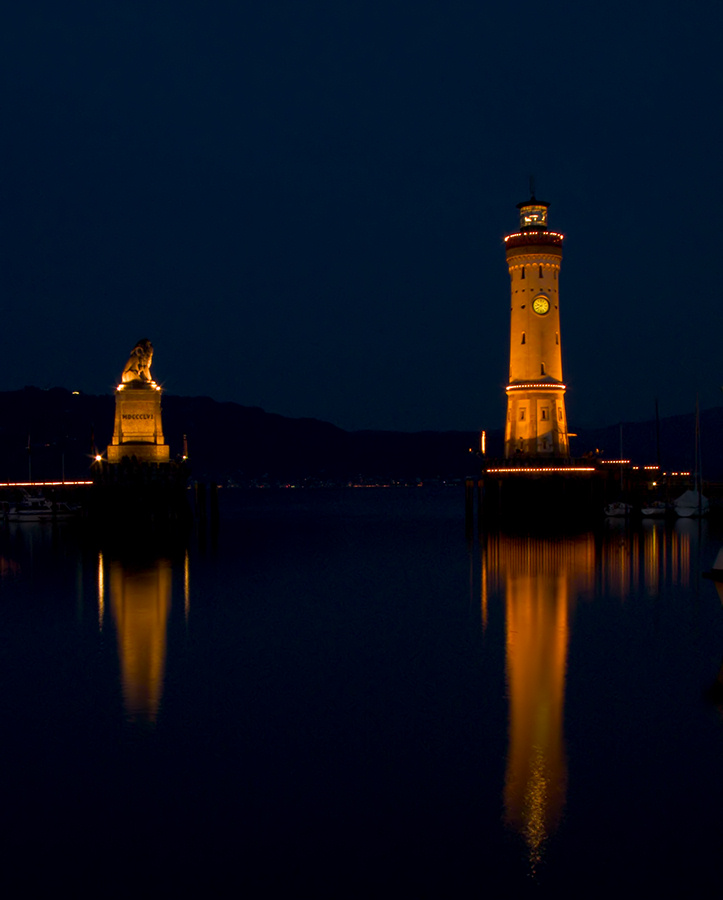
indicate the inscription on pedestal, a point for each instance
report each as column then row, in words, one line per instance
column 138, row 416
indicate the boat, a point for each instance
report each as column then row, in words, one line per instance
column 38, row 509
column 618, row 509
column 716, row 573
column 691, row 504
column 654, row 509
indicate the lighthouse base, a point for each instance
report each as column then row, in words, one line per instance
column 564, row 495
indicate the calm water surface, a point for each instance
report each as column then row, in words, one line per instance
column 343, row 694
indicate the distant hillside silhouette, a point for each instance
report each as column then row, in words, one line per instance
column 228, row 441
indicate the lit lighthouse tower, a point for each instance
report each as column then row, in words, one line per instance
column 536, row 420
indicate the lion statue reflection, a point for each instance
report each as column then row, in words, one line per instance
column 138, row 367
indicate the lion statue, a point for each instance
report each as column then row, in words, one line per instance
column 138, row 367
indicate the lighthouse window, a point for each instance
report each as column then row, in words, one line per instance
column 559, row 414
column 542, row 368
column 543, row 414
column 523, row 272
column 557, row 337
column 523, row 337
column 541, row 272
column 522, row 415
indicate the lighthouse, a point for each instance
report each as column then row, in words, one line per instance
column 536, row 425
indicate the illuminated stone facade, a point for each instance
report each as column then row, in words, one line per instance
column 536, row 418
column 138, row 429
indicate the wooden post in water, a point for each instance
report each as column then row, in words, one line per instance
column 479, row 504
column 213, row 497
column 471, row 487
column 468, row 502
column 201, row 503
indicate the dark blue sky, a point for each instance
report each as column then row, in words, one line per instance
column 302, row 203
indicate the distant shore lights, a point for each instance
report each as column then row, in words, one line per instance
column 543, row 470
column 32, row 484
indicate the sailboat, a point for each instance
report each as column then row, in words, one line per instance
column 619, row 508
column 692, row 504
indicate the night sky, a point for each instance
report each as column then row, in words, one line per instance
column 302, row 203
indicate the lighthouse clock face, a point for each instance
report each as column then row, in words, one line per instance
column 541, row 305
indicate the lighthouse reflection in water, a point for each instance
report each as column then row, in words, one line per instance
column 539, row 580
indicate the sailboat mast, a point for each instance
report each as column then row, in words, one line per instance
column 698, row 478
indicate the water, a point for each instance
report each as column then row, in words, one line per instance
column 343, row 695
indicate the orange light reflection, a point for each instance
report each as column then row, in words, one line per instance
column 141, row 601
column 540, row 579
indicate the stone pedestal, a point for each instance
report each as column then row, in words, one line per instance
column 138, row 430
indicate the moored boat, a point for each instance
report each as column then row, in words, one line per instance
column 691, row 504
column 38, row 509
column 716, row 573
column 618, row 509
column 655, row 509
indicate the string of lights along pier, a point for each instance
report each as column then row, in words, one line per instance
column 536, row 418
